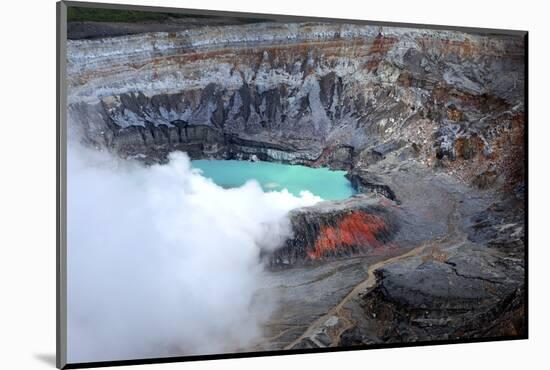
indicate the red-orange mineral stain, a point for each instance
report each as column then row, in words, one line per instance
column 357, row 229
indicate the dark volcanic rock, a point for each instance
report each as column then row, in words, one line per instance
column 501, row 226
column 366, row 182
column 473, row 294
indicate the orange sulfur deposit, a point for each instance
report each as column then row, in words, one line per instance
column 356, row 230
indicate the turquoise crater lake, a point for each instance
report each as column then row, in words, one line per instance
column 327, row 184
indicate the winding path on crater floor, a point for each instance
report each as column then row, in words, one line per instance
column 454, row 236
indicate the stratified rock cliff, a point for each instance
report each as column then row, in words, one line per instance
column 320, row 94
column 429, row 122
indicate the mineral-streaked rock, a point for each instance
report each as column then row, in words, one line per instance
column 332, row 92
column 358, row 225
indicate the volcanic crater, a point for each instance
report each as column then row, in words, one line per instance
column 428, row 124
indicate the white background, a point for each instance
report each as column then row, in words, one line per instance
column 27, row 182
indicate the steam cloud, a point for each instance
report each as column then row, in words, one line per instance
column 162, row 261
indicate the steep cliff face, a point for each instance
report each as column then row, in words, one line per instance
column 319, row 94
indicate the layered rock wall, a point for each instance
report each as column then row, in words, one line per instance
column 320, row 94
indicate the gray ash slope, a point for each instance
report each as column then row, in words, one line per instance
column 428, row 123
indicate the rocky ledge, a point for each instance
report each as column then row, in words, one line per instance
column 359, row 225
column 471, row 293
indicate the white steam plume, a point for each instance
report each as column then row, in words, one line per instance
column 162, row 261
